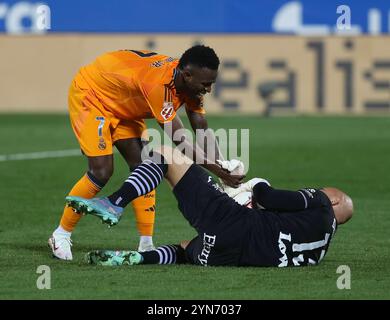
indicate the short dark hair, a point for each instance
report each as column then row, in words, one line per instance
column 200, row 56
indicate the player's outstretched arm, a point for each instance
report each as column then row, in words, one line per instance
column 194, row 151
column 210, row 149
column 176, row 132
column 284, row 200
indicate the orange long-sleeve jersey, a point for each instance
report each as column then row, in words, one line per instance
column 134, row 85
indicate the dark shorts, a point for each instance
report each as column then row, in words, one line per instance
column 218, row 219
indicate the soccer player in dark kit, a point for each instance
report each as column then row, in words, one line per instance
column 287, row 228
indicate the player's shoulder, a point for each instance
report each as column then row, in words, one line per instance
column 160, row 70
column 149, row 69
column 141, row 56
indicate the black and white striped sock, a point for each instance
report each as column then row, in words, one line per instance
column 146, row 177
column 167, row 254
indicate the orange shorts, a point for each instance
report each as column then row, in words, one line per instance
column 96, row 128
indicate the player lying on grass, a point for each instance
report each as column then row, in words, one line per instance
column 290, row 228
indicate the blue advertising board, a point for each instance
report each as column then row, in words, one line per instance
column 200, row 16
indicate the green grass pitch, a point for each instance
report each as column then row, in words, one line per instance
column 351, row 153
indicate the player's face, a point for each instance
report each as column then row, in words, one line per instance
column 198, row 81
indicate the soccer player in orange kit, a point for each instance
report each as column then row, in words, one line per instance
column 108, row 102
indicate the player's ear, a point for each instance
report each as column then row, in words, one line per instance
column 333, row 194
column 186, row 72
column 335, row 201
column 187, row 75
column 342, row 204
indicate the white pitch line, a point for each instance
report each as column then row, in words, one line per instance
column 40, row 155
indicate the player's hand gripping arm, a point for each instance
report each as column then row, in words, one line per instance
column 173, row 130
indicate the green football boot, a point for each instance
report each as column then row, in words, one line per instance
column 99, row 207
column 113, row 258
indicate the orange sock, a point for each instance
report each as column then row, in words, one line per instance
column 83, row 188
column 144, row 209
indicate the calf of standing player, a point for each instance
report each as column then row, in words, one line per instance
column 108, row 102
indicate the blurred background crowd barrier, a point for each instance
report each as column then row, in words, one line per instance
column 276, row 56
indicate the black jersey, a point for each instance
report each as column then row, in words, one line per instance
column 290, row 238
column 234, row 235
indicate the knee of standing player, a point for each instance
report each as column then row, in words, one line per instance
column 102, row 174
column 342, row 204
